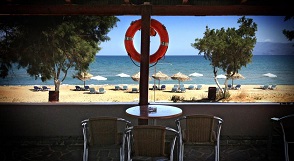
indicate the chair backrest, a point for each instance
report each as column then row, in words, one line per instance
column 287, row 124
column 149, row 140
column 125, row 87
column 174, row 89
column 92, row 90
column 101, row 90
column 102, row 131
column 200, row 128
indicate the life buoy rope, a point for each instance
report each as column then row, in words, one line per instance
column 155, row 27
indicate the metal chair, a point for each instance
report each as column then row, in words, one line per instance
column 287, row 127
column 102, row 132
column 149, row 142
column 199, row 129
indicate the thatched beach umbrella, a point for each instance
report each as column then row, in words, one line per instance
column 180, row 77
column 136, row 77
column 160, row 76
column 235, row 76
column 83, row 76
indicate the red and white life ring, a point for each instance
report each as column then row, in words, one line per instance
column 154, row 25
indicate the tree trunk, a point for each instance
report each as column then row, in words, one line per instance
column 57, row 84
column 54, row 95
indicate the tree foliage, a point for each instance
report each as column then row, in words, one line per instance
column 289, row 33
column 228, row 49
column 48, row 46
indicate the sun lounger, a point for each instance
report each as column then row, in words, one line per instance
column 154, row 87
column 266, row 86
column 174, row 89
column 101, row 91
column 78, row 88
column 274, row 86
column 182, row 90
column 117, row 88
column 125, row 87
column 36, row 88
column 229, row 86
column 191, row 87
column 238, row 86
column 86, row 88
column 45, row 88
column 199, row 86
column 135, row 90
column 92, row 91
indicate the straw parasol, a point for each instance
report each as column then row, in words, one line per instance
column 160, row 76
column 180, row 77
column 136, row 77
column 235, row 76
column 83, row 76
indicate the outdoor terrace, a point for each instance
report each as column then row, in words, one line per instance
column 53, row 131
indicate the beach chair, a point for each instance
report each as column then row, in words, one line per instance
column 86, row 88
column 135, row 90
column 103, row 132
column 191, row 87
column 182, row 90
column 92, row 91
column 266, row 86
column 182, row 86
column 229, row 86
column 101, row 90
column 274, row 86
column 117, row 88
column 78, row 88
column 36, row 88
column 151, row 142
column 199, row 86
column 125, row 87
column 174, row 89
column 199, row 130
column 154, row 87
column 45, row 88
column 238, row 86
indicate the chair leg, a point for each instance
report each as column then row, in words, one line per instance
column 286, row 151
column 85, row 155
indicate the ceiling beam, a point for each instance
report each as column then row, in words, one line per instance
column 159, row 10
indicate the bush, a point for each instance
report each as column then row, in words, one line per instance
column 176, row 98
column 219, row 95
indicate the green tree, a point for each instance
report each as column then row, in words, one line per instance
column 228, row 49
column 48, row 46
column 289, row 33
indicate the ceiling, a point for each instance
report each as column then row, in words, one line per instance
column 157, row 7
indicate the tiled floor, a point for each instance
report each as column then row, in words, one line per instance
column 192, row 153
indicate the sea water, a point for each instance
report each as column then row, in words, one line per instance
column 264, row 69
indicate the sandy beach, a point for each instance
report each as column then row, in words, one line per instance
column 247, row 93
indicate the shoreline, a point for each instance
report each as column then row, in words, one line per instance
column 247, row 93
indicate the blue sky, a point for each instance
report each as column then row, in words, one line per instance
column 183, row 30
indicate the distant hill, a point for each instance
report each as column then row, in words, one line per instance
column 270, row 48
